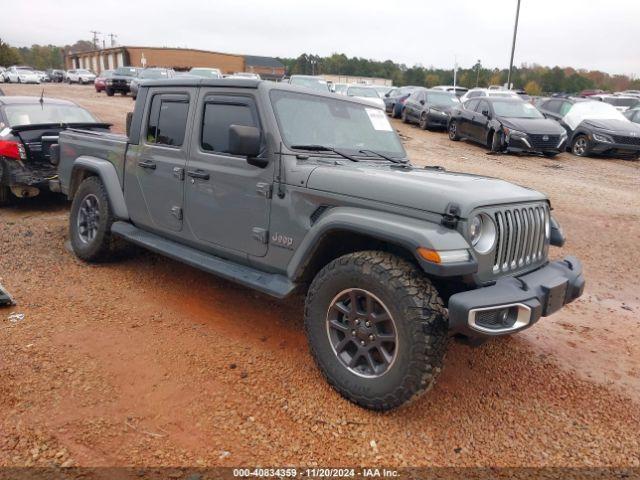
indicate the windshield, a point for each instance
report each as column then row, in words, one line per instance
column 516, row 110
column 340, row 88
column 83, row 71
column 592, row 110
column 362, row 92
column 501, row 94
column 310, row 120
column 126, row 72
column 316, row 84
column 622, row 102
column 154, row 74
column 36, row 114
column 205, row 72
column 443, row 99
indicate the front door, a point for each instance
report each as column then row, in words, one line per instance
column 226, row 200
column 466, row 117
column 154, row 182
column 480, row 121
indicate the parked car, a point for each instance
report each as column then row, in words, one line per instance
column 21, row 74
column 2, row 70
column 100, row 83
column 149, row 74
column 631, row 93
column 621, row 102
column 120, row 81
column 633, row 114
column 430, row 108
column 459, row 91
column 394, row 100
column 485, row 92
column 589, row 92
column 56, row 76
column 80, row 75
column 205, row 72
column 339, row 88
column 44, row 77
column 251, row 75
column 290, row 190
column 30, row 130
column 368, row 94
column 507, row 124
column 382, row 89
column 314, row 83
column 594, row 127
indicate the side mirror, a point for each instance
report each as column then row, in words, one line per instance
column 422, row 102
column 386, row 95
column 245, row 141
column 128, row 123
column 486, row 113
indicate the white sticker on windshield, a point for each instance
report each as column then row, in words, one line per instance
column 378, row 119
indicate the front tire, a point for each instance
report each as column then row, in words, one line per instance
column 377, row 328
column 453, row 130
column 424, row 121
column 110, row 92
column 580, row 146
column 496, row 142
column 403, row 116
column 90, row 222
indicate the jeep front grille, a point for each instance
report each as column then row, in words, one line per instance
column 521, row 238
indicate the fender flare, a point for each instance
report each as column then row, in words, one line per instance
column 407, row 232
column 109, row 177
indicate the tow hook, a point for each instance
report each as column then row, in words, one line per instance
column 451, row 216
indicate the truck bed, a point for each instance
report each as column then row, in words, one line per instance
column 76, row 143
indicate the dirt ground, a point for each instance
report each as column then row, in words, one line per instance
column 146, row 361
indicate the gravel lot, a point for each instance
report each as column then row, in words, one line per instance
column 146, row 361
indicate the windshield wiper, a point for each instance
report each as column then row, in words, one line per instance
column 386, row 157
column 323, row 148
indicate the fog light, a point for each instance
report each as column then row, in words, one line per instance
column 500, row 319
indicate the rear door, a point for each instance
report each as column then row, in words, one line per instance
column 154, row 183
column 227, row 200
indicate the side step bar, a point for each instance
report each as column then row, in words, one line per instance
column 272, row 284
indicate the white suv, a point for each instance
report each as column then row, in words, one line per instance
column 17, row 74
column 486, row 92
column 80, row 76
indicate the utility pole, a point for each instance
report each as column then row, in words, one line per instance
column 95, row 37
column 513, row 45
column 112, row 38
column 455, row 71
column 478, row 65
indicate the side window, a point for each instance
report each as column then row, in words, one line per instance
column 552, row 106
column 167, row 120
column 217, row 119
column 637, row 117
column 482, row 106
column 475, row 94
column 564, row 108
column 472, row 105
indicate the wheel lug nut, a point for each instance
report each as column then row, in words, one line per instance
column 361, row 342
column 371, row 337
column 358, row 321
column 368, row 324
column 353, row 332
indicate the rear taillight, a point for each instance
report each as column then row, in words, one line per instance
column 13, row 150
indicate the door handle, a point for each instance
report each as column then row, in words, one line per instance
column 198, row 174
column 147, row 164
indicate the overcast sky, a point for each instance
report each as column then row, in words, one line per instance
column 593, row 34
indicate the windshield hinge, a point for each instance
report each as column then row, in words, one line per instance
column 264, row 189
column 451, row 216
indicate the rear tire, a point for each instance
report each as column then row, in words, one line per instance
column 400, row 327
column 109, row 92
column 90, row 222
column 6, row 197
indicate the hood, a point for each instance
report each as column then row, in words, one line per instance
column 422, row 189
column 540, row 126
column 377, row 102
column 613, row 125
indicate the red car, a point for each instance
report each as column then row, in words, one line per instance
column 101, row 80
column 588, row 93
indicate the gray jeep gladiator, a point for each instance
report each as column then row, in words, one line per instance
column 284, row 189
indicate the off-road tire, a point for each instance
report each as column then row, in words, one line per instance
column 6, row 197
column 420, row 321
column 453, row 132
column 102, row 247
column 109, row 92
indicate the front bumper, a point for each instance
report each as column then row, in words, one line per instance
column 438, row 119
column 527, row 298
column 613, row 149
column 522, row 144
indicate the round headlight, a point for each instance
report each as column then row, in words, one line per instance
column 482, row 233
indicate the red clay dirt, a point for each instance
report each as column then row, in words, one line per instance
column 145, row 361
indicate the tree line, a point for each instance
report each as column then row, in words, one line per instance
column 535, row 79
column 40, row 57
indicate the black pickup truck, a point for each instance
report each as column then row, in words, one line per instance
column 120, row 81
